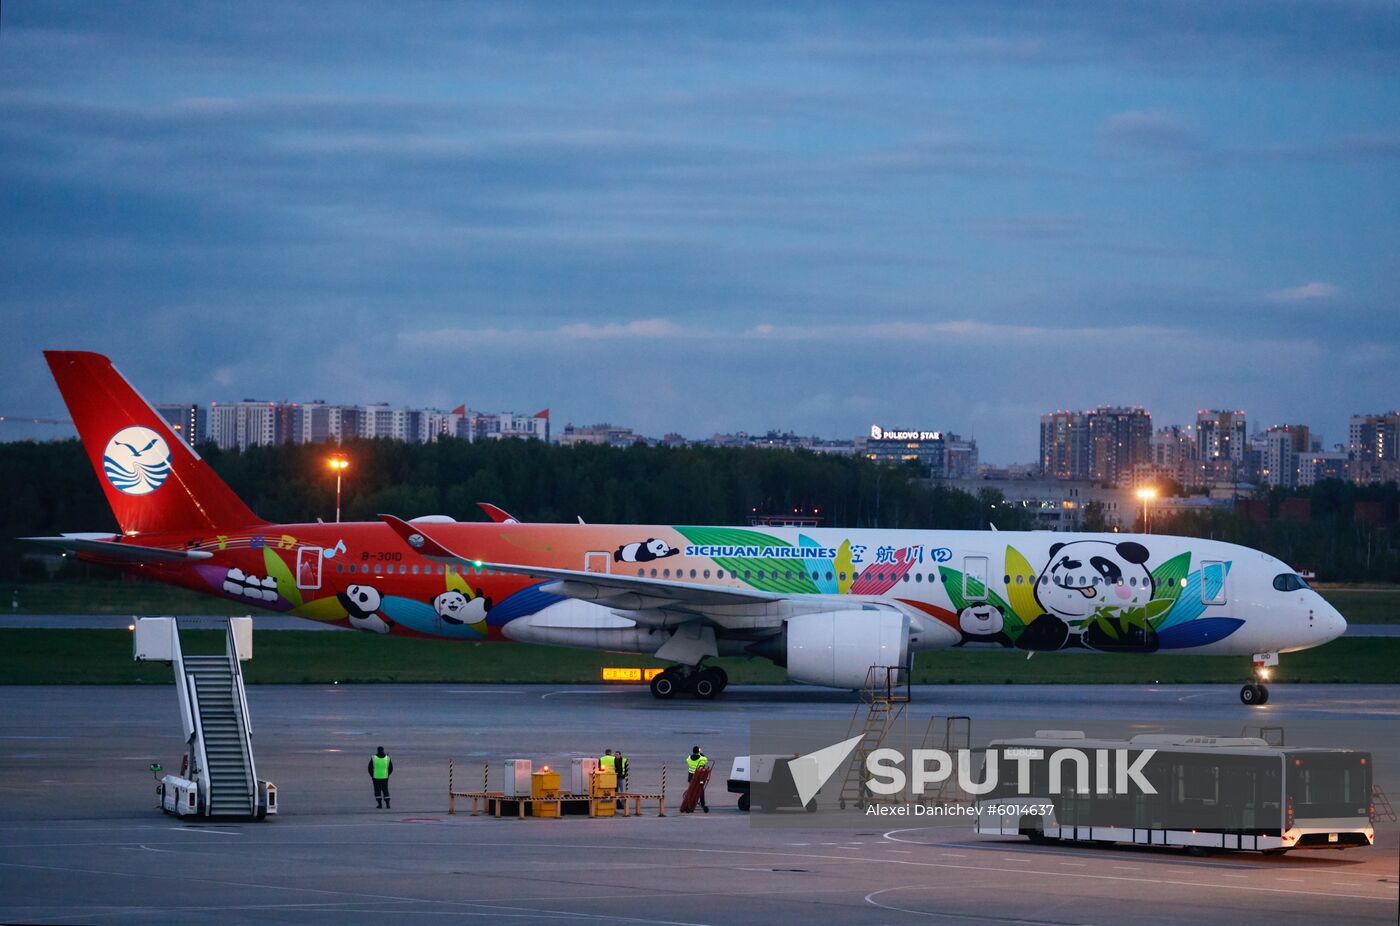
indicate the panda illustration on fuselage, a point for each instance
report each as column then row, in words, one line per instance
column 1087, row 579
column 454, row 607
column 644, row 551
column 982, row 623
column 361, row 603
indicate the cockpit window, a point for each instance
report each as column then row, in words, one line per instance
column 1289, row 582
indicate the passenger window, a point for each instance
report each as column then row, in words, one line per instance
column 747, row 574
column 719, row 574
column 641, row 572
column 707, row 573
column 918, row 577
column 653, row 573
column 906, row 577
column 339, row 567
column 666, row 573
column 828, row 577
column 1006, row 580
column 787, row 575
column 692, row 573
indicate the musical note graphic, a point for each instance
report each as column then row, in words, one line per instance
column 223, row 541
column 286, row 542
column 339, row 548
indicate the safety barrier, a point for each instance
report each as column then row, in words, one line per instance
column 493, row 802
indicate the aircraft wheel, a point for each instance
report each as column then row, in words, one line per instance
column 744, row 803
column 707, row 685
column 721, row 675
column 665, row 685
column 1249, row 694
column 1263, row 693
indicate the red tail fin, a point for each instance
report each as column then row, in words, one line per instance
column 153, row 480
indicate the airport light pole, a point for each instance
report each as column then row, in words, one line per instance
column 1146, row 493
column 338, row 463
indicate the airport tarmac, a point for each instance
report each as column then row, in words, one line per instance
column 83, row 842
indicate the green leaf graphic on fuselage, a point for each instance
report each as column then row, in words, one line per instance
column 769, row 574
column 953, row 585
column 1167, row 577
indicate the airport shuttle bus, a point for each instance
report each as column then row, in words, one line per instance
column 1212, row 794
column 824, row 603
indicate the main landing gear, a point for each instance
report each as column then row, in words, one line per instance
column 705, row 682
column 1256, row 693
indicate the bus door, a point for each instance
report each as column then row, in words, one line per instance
column 1213, row 582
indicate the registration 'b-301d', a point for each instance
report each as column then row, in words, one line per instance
column 827, row 604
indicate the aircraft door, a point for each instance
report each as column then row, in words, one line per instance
column 974, row 578
column 597, row 561
column 309, row 567
column 1213, row 582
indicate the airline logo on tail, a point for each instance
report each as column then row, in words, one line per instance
column 136, row 461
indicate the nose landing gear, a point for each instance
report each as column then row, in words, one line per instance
column 1256, row 693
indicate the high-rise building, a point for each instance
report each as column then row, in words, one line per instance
column 1285, row 446
column 1120, row 439
column 1064, row 445
column 1173, row 453
column 191, row 422
column 1222, row 448
column 1373, row 442
column 245, row 424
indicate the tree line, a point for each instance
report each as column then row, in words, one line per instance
column 53, row 489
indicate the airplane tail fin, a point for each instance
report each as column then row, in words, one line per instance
column 153, row 480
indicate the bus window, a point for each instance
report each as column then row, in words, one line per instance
column 1328, row 785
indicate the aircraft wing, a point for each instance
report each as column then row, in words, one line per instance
column 119, row 551
column 617, row 591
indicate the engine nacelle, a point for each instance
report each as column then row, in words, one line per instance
column 837, row 648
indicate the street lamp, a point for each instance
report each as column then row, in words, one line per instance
column 338, row 463
column 1146, row 493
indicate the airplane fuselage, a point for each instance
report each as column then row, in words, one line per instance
column 983, row 589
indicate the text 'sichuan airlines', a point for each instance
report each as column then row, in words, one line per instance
column 825, row 603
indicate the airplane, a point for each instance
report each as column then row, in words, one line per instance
column 825, row 603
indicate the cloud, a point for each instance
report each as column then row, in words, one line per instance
column 1150, row 130
column 1315, row 291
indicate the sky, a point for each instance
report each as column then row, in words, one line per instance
column 711, row 217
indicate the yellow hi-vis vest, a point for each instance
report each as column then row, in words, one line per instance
column 607, row 763
column 621, row 763
column 381, row 766
column 694, row 762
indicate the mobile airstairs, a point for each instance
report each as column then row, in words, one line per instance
column 218, row 778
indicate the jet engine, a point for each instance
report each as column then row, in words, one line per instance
column 837, row 648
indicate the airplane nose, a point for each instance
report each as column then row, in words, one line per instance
column 1331, row 624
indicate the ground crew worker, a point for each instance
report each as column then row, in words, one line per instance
column 380, row 768
column 607, row 763
column 693, row 763
column 620, row 765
